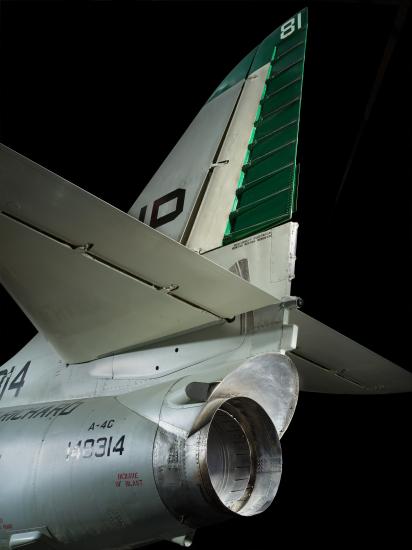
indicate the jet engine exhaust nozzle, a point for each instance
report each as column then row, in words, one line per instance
column 230, row 465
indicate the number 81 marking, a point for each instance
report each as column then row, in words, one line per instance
column 289, row 26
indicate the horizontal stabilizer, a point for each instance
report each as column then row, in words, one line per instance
column 329, row 362
column 95, row 280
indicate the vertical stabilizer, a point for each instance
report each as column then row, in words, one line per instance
column 233, row 173
column 170, row 200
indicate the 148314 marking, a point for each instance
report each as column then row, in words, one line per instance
column 95, row 448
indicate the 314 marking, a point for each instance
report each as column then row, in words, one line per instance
column 16, row 383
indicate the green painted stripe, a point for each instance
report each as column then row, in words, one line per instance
column 248, row 149
column 257, row 58
column 267, row 189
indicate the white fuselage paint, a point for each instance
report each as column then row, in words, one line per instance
column 270, row 256
column 206, row 353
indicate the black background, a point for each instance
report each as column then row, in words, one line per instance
column 100, row 92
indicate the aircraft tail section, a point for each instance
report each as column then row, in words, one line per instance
column 267, row 258
column 171, row 199
column 234, row 173
column 254, row 186
column 327, row 361
column 65, row 258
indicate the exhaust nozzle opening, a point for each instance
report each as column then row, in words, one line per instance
column 230, row 465
column 243, row 456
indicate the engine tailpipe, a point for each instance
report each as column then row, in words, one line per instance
column 231, row 465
